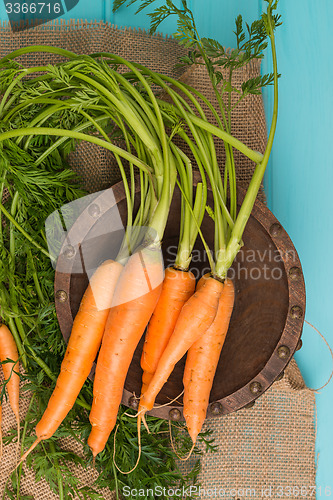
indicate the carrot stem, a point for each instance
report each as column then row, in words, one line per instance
column 25, row 427
column 59, row 476
column 2, row 187
column 35, row 277
column 115, row 480
column 17, row 225
column 74, row 135
column 226, row 258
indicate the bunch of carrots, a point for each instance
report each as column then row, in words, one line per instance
column 131, row 294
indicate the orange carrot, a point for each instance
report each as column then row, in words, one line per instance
column 8, row 350
column 195, row 318
column 202, row 360
column 178, row 286
column 83, row 345
column 136, row 297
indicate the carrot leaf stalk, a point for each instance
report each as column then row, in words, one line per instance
column 229, row 226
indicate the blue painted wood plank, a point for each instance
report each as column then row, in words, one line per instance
column 299, row 187
column 214, row 19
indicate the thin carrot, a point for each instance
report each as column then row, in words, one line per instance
column 178, row 286
column 8, row 350
column 202, row 360
column 82, row 348
column 195, row 318
column 135, row 299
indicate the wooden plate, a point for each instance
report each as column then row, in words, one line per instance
column 267, row 320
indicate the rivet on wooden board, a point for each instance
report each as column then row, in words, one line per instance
column 94, row 210
column 69, row 252
column 279, row 377
column 61, row 295
column 295, row 273
column 255, row 387
column 296, row 312
column 275, row 229
column 216, row 408
column 299, row 344
column 283, row 352
column 133, row 402
column 175, row 414
column 250, row 405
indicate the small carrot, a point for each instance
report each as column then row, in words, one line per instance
column 8, row 350
column 82, row 348
column 202, row 360
column 136, row 297
column 195, row 318
column 178, row 286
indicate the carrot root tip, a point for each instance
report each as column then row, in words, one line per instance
column 183, row 459
column 143, row 418
column 32, row 447
column 139, row 444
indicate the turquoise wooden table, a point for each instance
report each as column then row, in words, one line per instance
column 299, row 180
column 299, row 189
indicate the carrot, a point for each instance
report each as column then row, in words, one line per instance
column 178, row 286
column 136, row 297
column 202, row 360
column 82, row 348
column 195, row 318
column 8, row 350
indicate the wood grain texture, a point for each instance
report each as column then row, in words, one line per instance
column 299, row 184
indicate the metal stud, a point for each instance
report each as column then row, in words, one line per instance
column 69, row 252
column 275, row 229
column 283, row 352
column 295, row 273
column 175, row 414
column 216, row 408
column 250, row 405
column 61, row 295
column 299, row 344
column 279, row 377
column 94, row 210
column 133, row 402
column 296, row 312
column 255, row 387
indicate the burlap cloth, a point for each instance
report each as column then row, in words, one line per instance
column 262, row 451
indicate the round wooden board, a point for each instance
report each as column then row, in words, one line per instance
column 268, row 316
